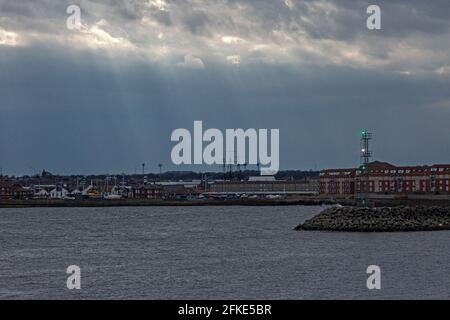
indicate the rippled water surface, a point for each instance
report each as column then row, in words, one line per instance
column 210, row 253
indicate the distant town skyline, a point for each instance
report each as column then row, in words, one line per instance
column 105, row 99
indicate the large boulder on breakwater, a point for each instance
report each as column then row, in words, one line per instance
column 387, row 219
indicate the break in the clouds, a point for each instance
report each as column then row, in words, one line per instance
column 105, row 97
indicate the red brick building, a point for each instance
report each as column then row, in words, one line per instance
column 5, row 190
column 385, row 178
column 9, row 190
column 169, row 192
column 389, row 179
column 148, row 191
column 337, row 182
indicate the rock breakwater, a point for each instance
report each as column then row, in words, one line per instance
column 387, row 219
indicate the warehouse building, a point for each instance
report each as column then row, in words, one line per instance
column 267, row 185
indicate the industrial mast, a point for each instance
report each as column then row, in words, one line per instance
column 362, row 178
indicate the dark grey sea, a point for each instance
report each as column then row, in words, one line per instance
column 210, row 253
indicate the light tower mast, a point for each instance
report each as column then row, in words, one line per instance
column 362, row 179
column 365, row 154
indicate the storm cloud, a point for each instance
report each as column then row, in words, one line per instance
column 106, row 98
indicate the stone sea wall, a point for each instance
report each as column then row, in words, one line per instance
column 307, row 201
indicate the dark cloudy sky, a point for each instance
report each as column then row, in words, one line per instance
column 107, row 97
